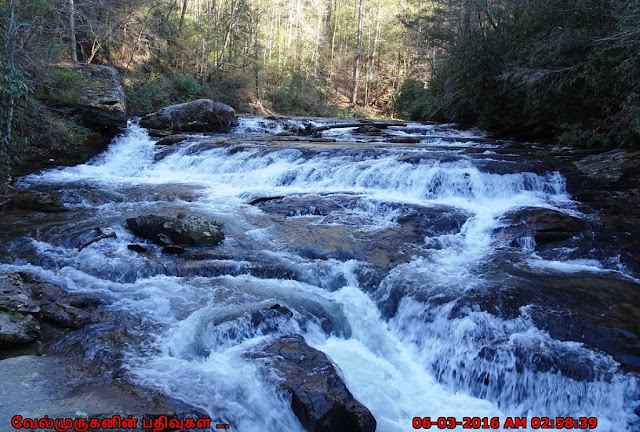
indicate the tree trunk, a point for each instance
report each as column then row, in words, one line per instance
column 466, row 17
column 372, row 62
column 72, row 29
column 333, row 38
column 184, row 11
column 9, row 58
column 233, row 19
column 356, row 69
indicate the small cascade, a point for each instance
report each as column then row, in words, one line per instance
column 400, row 262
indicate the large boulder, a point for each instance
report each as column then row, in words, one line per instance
column 319, row 397
column 201, row 115
column 101, row 99
column 182, row 230
column 82, row 109
column 90, row 94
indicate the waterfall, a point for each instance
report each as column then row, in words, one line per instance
column 389, row 257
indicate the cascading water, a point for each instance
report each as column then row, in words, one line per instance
column 392, row 259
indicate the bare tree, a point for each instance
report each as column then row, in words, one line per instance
column 9, row 58
column 72, row 29
column 356, row 69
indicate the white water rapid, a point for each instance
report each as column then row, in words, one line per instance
column 411, row 316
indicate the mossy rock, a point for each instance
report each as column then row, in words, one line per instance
column 183, row 230
column 38, row 201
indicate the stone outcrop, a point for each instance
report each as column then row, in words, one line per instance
column 201, row 115
column 26, row 303
column 182, row 230
column 609, row 182
column 543, row 224
column 82, row 108
column 37, row 201
column 101, row 100
column 17, row 323
column 319, row 397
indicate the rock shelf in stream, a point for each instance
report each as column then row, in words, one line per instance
column 545, row 226
column 181, row 230
column 37, row 201
column 319, row 397
column 26, row 304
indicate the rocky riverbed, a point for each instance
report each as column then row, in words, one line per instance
column 395, row 266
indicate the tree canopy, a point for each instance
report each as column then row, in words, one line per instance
column 568, row 70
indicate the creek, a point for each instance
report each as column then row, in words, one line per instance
column 414, row 266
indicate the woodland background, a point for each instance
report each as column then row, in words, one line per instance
column 567, row 71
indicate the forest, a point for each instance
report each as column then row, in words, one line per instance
column 567, row 71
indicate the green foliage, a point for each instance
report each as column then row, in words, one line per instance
column 544, row 68
column 411, row 100
column 232, row 90
column 59, row 84
column 145, row 96
column 14, row 94
column 148, row 95
column 354, row 112
column 299, row 97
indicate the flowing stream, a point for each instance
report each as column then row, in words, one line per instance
column 396, row 260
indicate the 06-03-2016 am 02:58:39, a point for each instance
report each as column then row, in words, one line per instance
column 507, row 423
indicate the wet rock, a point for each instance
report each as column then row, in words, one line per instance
column 173, row 249
column 201, row 115
column 184, row 230
column 608, row 182
column 137, row 248
column 369, row 129
column 64, row 309
column 37, row 201
column 544, row 225
column 171, row 139
column 403, row 140
column 319, row 397
column 64, row 315
column 102, row 343
column 601, row 311
column 262, row 321
column 15, row 296
column 432, row 221
column 261, row 200
column 220, row 331
column 267, row 317
column 159, row 133
column 61, row 387
column 336, row 229
column 18, row 328
column 25, row 303
column 608, row 167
